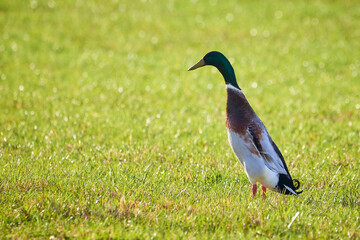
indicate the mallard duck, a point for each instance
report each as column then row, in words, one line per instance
column 248, row 137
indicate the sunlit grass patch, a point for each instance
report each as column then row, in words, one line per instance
column 104, row 133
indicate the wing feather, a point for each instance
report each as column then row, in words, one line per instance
column 268, row 149
column 280, row 156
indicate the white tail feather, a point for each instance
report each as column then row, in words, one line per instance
column 290, row 190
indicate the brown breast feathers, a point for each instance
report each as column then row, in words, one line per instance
column 239, row 113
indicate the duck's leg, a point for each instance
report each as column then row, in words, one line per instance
column 263, row 192
column 254, row 189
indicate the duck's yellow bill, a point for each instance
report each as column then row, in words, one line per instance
column 200, row 63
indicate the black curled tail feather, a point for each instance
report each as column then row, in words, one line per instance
column 288, row 186
column 296, row 184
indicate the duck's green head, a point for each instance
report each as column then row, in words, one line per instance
column 219, row 61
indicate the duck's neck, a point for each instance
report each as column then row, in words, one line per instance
column 228, row 73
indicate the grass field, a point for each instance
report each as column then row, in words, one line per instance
column 104, row 133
